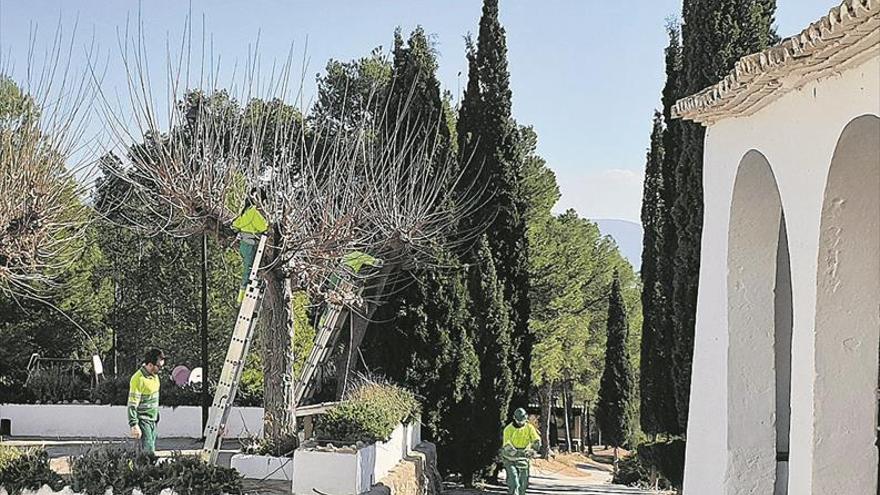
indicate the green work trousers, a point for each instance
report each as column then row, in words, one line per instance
column 248, row 250
column 517, row 477
column 148, row 435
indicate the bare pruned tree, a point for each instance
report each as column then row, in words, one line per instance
column 43, row 167
column 185, row 161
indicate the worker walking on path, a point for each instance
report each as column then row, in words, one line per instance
column 250, row 224
column 521, row 442
column 143, row 400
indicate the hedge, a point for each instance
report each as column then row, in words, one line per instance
column 26, row 469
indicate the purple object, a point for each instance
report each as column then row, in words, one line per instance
column 180, row 375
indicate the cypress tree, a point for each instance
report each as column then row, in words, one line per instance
column 492, row 400
column 615, row 406
column 715, row 34
column 652, row 287
column 488, row 140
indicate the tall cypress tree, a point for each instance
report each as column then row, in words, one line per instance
column 493, row 344
column 487, row 138
column 616, row 393
column 652, row 287
column 715, row 34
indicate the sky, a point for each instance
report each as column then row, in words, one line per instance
column 586, row 74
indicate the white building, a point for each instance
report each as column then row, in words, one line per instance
column 785, row 373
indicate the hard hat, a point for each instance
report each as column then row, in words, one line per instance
column 520, row 415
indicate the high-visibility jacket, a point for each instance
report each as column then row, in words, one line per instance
column 251, row 222
column 143, row 397
column 521, row 437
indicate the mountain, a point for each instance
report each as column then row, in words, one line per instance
column 628, row 236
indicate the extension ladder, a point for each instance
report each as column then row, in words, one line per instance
column 347, row 288
column 242, row 334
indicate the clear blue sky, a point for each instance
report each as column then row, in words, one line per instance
column 585, row 73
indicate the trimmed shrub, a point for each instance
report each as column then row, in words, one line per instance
column 55, row 384
column 369, row 414
column 26, row 469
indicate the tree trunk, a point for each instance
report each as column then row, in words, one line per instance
column 546, row 392
column 615, row 459
column 347, row 359
column 277, row 327
column 566, row 411
column 589, row 429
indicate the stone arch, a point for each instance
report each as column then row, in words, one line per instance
column 848, row 316
column 759, row 338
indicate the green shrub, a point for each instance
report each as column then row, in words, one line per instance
column 666, row 459
column 191, row 475
column 124, row 469
column 55, row 384
column 369, row 414
column 26, row 469
column 114, row 466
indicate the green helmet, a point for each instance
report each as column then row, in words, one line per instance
column 520, row 415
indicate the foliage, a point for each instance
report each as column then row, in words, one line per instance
column 490, row 405
column 26, row 469
column 191, row 475
column 487, row 135
column 114, row 391
column 55, row 384
column 282, row 446
column 125, row 469
column 663, row 460
column 69, row 323
column 368, row 415
column 111, row 466
column 715, row 35
column 615, row 407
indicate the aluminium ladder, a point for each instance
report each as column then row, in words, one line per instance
column 242, row 334
column 348, row 288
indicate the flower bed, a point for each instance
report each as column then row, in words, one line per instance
column 91, row 421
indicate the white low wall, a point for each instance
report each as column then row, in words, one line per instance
column 263, row 467
column 93, row 421
column 352, row 471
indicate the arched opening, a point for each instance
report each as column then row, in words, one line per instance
column 759, row 326
column 848, row 316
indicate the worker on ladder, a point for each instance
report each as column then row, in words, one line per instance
column 250, row 225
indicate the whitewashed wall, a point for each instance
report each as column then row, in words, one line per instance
column 94, row 421
column 798, row 134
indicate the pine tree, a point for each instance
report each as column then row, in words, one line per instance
column 715, row 34
column 487, row 137
column 652, row 291
column 616, row 392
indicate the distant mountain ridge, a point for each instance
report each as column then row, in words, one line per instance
column 628, row 236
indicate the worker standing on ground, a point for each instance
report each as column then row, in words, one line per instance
column 520, row 444
column 250, row 224
column 143, row 400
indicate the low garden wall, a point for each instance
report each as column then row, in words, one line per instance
column 98, row 421
column 352, row 469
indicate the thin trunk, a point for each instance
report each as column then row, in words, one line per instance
column 206, row 398
column 277, row 327
column 589, row 429
column 546, row 392
column 566, row 409
column 615, row 459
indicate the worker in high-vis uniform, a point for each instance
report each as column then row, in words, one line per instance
column 250, row 224
column 143, row 400
column 521, row 442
